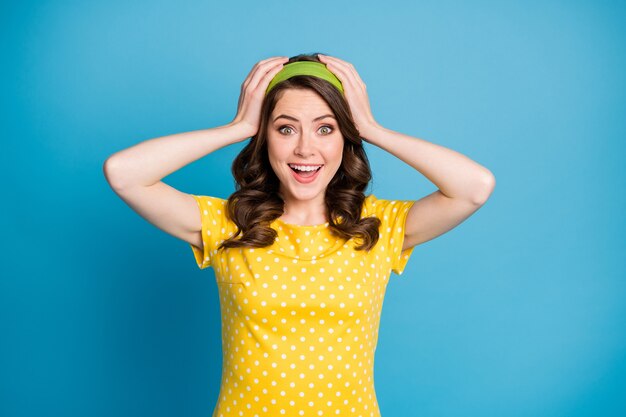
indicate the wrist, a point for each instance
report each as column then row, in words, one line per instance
column 241, row 130
column 371, row 131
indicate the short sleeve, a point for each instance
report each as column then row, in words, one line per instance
column 392, row 214
column 214, row 228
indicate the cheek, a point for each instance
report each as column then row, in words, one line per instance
column 273, row 152
column 336, row 152
column 276, row 156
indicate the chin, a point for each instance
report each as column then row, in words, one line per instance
column 309, row 194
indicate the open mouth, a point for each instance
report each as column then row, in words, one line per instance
column 305, row 171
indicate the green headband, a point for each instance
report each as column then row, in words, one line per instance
column 316, row 69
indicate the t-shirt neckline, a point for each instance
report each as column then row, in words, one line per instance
column 301, row 226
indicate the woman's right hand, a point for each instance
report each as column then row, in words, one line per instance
column 253, row 92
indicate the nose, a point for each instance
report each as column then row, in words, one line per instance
column 304, row 147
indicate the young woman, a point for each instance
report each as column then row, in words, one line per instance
column 301, row 256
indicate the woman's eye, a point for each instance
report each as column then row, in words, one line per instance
column 326, row 130
column 287, row 130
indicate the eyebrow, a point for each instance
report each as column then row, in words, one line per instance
column 284, row 116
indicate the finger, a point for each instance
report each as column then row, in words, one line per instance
column 256, row 67
column 349, row 68
column 267, row 61
column 335, row 59
column 265, row 74
column 261, row 65
column 345, row 75
column 346, row 66
column 253, row 72
column 256, row 89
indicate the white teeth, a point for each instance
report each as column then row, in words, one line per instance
column 306, row 168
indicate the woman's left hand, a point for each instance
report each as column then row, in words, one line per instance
column 355, row 93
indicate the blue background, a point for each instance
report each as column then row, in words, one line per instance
column 519, row 311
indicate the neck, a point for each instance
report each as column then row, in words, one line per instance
column 304, row 212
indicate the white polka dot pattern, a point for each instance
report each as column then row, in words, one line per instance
column 300, row 318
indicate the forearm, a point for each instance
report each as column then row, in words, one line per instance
column 456, row 175
column 150, row 161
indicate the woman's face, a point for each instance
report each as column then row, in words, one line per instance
column 305, row 145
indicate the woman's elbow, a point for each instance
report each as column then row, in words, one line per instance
column 487, row 185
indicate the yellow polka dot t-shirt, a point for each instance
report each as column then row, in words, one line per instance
column 300, row 318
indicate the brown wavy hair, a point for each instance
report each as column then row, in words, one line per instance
column 256, row 201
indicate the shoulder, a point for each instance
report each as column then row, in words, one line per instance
column 209, row 201
column 384, row 209
column 215, row 228
column 213, row 209
column 373, row 205
column 369, row 205
column 214, row 206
